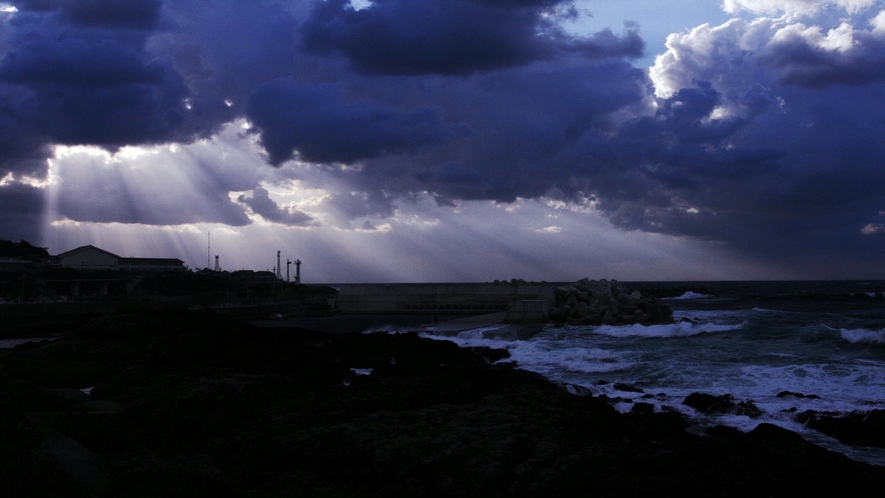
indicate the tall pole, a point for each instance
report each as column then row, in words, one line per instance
column 279, row 268
column 297, row 271
column 287, row 268
column 208, row 248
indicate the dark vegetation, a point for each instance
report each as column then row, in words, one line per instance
column 197, row 404
column 22, row 250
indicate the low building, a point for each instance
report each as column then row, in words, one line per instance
column 87, row 258
column 93, row 258
column 151, row 264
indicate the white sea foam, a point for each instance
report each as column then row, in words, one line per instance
column 551, row 357
column 713, row 316
column 11, row 343
column 389, row 329
column 690, row 295
column 586, row 360
column 865, row 336
column 841, row 388
column 679, row 329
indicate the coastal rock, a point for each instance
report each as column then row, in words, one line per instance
column 784, row 394
column 861, row 428
column 724, row 404
column 627, row 388
column 581, row 309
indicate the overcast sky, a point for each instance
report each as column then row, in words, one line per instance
column 451, row 140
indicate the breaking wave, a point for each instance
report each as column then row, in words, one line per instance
column 864, row 336
column 680, row 329
column 690, row 295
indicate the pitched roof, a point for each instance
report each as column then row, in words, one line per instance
column 79, row 249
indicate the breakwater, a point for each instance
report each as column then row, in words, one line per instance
column 439, row 298
column 585, row 302
column 604, row 302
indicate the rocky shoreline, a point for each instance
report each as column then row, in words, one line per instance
column 176, row 403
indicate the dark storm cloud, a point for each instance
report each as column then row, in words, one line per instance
column 525, row 123
column 800, row 63
column 93, row 93
column 21, row 150
column 76, row 63
column 312, row 120
column 458, row 173
column 75, row 73
column 129, row 14
column 226, row 49
column 133, row 14
column 261, row 204
column 804, row 191
column 21, row 212
column 448, row 36
column 65, row 79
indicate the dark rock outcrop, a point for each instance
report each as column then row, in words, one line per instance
column 791, row 394
column 860, row 428
column 724, row 404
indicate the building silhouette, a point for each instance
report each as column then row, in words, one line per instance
column 92, row 258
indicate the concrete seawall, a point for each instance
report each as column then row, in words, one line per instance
column 441, row 298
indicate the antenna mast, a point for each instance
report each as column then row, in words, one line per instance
column 208, row 248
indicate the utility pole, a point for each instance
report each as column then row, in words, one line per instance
column 287, row 268
column 279, row 269
column 297, row 271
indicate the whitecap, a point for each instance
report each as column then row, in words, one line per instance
column 551, row 358
column 690, row 295
column 585, row 360
column 865, row 336
column 679, row 329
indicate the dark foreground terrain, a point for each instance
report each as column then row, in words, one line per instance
column 187, row 404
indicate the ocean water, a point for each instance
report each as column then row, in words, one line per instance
column 751, row 340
